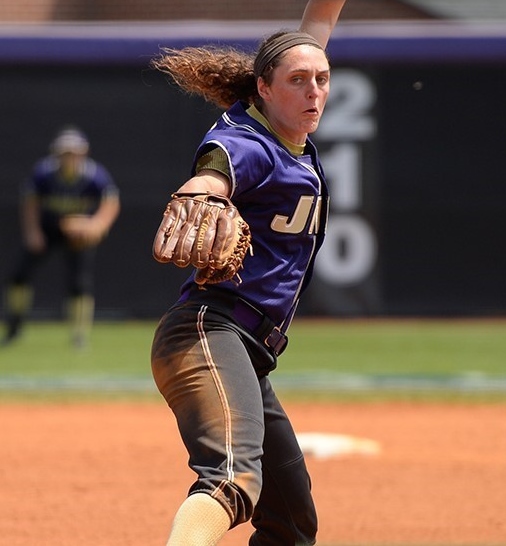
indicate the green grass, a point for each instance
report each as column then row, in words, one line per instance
column 44, row 349
column 401, row 359
column 337, row 358
column 399, row 347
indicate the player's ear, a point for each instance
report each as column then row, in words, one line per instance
column 263, row 89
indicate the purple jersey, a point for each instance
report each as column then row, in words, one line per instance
column 59, row 198
column 284, row 199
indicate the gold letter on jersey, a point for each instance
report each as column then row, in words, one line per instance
column 282, row 224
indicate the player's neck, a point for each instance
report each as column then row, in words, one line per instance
column 294, row 149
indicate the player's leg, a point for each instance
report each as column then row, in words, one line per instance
column 81, row 300
column 18, row 295
column 18, row 301
column 203, row 370
column 80, row 311
column 285, row 513
column 200, row 521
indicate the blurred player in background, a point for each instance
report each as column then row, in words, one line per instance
column 69, row 204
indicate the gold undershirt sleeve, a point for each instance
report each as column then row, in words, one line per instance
column 216, row 160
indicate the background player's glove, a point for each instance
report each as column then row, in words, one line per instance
column 205, row 231
column 81, row 231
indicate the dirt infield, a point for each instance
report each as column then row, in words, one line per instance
column 113, row 474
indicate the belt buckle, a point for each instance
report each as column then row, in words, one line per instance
column 277, row 341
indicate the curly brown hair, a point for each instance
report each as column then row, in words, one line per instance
column 224, row 75
column 221, row 75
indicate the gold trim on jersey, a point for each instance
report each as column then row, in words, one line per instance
column 294, row 149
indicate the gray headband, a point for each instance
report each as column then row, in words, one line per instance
column 271, row 50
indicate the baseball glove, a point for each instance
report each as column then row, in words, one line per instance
column 81, row 231
column 205, row 231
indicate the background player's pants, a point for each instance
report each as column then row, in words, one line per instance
column 240, row 441
column 80, row 286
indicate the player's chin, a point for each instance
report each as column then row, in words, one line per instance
column 310, row 126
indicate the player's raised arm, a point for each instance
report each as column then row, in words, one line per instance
column 320, row 17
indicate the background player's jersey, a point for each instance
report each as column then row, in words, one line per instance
column 58, row 197
column 284, row 199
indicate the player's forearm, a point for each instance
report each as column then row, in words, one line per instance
column 31, row 230
column 30, row 216
column 207, row 181
column 320, row 18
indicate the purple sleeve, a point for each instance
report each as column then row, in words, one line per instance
column 249, row 162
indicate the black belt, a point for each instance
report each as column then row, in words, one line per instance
column 245, row 314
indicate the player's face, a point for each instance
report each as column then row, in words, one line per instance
column 70, row 164
column 294, row 101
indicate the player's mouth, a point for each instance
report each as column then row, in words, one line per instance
column 312, row 112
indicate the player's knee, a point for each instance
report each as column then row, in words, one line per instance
column 238, row 502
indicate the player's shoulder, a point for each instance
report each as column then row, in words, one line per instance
column 93, row 170
column 237, row 120
column 45, row 166
column 237, row 129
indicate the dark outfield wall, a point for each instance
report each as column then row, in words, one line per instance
column 141, row 130
column 413, row 142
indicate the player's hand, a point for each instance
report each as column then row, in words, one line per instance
column 81, row 231
column 205, row 231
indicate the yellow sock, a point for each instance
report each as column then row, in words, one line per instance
column 200, row 521
column 18, row 299
column 81, row 312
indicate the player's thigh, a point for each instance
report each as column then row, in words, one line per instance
column 80, row 270
column 26, row 266
column 204, row 372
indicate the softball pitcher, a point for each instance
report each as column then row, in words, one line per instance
column 256, row 178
